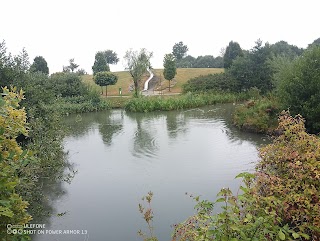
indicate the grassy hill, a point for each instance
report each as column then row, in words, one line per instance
column 125, row 80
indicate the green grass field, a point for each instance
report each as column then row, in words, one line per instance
column 125, row 80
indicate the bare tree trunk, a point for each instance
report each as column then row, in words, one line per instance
column 136, row 88
column 169, row 85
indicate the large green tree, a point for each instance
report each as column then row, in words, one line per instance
column 282, row 48
column 298, row 87
column 111, row 56
column 39, row 64
column 315, row 42
column 232, row 51
column 104, row 79
column 179, row 50
column 137, row 63
column 170, row 69
column 12, row 68
column 100, row 63
column 253, row 69
column 186, row 62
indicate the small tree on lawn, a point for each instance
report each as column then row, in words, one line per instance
column 104, row 79
column 170, row 69
column 137, row 64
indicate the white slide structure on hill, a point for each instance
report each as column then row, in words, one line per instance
column 146, row 84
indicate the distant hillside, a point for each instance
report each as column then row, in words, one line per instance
column 125, row 80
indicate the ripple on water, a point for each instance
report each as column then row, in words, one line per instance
column 144, row 145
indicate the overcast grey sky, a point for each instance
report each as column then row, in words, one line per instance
column 63, row 29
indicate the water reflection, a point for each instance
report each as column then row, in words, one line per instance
column 109, row 125
column 144, row 135
column 121, row 156
column 176, row 124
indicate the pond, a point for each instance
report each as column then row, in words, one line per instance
column 121, row 156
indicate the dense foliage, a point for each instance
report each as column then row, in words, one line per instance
column 179, row 50
column 207, row 61
column 282, row 48
column 253, row 70
column 111, row 56
column 289, row 172
column 298, row 87
column 66, row 84
column 218, row 82
column 232, row 51
column 39, row 64
column 257, row 115
column 100, row 63
column 13, row 161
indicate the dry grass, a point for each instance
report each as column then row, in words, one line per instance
column 125, row 80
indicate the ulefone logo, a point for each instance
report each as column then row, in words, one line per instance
column 14, row 229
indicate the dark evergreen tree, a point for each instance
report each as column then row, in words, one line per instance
column 179, row 50
column 232, row 51
column 100, row 63
column 39, row 65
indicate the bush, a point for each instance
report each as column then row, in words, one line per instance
column 289, row 171
column 67, row 84
column 298, row 87
column 13, row 161
column 217, row 82
column 257, row 115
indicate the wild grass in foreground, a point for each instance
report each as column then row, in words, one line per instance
column 78, row 104
column 189, row 100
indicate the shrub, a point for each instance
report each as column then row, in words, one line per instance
column 298, row 87
column 13, row 160
column 289, row 171
column 67, row 84
column 257, row 115
column 204, row 83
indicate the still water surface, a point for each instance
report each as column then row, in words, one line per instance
column 121, row 156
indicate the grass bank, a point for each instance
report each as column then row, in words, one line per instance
column 178, row 102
